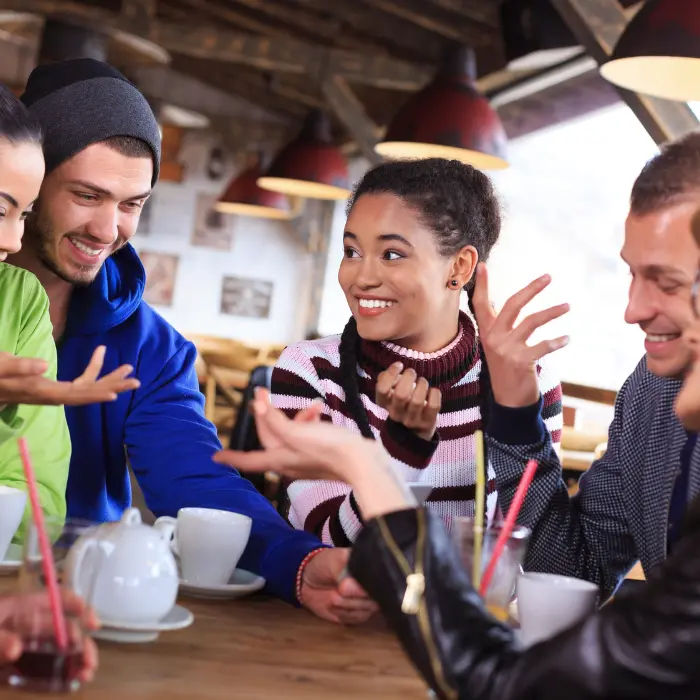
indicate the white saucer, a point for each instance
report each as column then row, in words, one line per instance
column 137, row 633
column 240, row 584
column 12, row 561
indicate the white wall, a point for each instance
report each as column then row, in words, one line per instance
column 262, row 249
column 565, row 199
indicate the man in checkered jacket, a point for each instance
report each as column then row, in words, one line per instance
column 631, row 502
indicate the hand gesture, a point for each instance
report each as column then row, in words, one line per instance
column 512, row 362
column 22, row 382
column 409, row 400
column 17, row 611
column 300, row 449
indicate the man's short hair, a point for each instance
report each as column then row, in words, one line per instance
column 671, row 176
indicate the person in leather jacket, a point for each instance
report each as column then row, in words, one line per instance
column 645, row 645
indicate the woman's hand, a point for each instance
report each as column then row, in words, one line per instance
column 22, row 382
column 408, row 399
column 77, row 612
column 512, row 362
column 310, row 449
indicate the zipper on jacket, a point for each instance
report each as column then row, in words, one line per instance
column 414, row 599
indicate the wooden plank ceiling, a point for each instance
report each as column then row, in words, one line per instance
column 358, row 57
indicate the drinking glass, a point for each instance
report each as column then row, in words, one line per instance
column 502, row 587
column 43, row 665
column 62, row 534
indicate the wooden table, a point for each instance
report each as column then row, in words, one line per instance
column 253, row 649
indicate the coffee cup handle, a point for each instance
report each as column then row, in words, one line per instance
column 167, row 526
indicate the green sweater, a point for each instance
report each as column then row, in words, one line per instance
column 25, row 329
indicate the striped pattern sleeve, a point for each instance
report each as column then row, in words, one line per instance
column 552, row 411
column 326, row 509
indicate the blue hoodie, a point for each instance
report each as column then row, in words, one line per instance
column 160, row 429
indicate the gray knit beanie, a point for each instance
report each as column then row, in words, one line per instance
column 83, row 101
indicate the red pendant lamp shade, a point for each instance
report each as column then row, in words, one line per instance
column 245, row 198
column 449, row 119
column 311, row 166
column 658, row 54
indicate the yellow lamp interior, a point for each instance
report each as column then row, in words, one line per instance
column 411, row 150
column 667, row 77
column 303, row 188
column 255, row 210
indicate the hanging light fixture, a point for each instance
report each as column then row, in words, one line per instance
column 244, row 198
column 658, row 54
column 311, row 165
column 535, row 36
column 449, row 119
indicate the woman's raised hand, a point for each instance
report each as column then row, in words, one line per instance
column 22, row 382
column 409, row 399
column 512, row 362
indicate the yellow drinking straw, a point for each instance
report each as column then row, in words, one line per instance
column 478, row 509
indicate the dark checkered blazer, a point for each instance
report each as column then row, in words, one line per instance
column 620, row 514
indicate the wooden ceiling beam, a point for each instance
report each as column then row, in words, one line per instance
column 217, row 44
column 139, row 14
column 391, row 31
column 418, row 13
column 351, row 112
column 292, row 17
column 475, row 10
column 597, row 25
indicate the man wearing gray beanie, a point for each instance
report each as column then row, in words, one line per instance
column 102, row 151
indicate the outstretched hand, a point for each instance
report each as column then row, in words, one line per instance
column 303, row 448
column 512, row 362
column 22, row 382
column 409, row 399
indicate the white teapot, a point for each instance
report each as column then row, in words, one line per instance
column 125, row 570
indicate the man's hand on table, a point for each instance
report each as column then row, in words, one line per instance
column 74, row 607
column 330, row 598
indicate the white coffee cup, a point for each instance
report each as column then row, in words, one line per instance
column 12, row 504
column 549, row 604
column 208, row 543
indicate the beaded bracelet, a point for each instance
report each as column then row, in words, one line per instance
column 302, row 567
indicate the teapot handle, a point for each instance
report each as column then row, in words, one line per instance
column 83, row 573
column 167, row 528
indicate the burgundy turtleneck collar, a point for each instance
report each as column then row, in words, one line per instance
column 442, row 368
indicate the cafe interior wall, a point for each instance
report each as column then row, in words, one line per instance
column 564, row 200
column 261, row 250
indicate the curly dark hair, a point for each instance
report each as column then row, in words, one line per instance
column 455, row 201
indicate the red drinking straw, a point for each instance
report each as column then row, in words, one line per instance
column 47, row 562
column 509, row 523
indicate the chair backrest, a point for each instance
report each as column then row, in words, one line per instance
column 244, row 436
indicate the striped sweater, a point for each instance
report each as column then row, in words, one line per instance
column 310, row 370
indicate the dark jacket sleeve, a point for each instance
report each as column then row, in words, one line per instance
column 643, row 646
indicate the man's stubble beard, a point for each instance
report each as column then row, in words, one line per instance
column 39, row 238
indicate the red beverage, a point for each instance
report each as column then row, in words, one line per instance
column 43, row 667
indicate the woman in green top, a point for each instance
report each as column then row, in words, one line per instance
column 30, row 398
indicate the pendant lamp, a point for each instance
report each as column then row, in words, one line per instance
column 658, row 54
column 244, row 198
column 311, row 165
column 449, row 119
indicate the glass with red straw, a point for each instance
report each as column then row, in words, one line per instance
column 52, row 642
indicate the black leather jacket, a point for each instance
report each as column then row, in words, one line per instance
column 646, row 645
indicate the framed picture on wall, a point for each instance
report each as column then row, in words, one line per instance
column 241, row 296
column 211, row 228
column 161, row 277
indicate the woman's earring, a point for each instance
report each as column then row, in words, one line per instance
column 454, row 283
